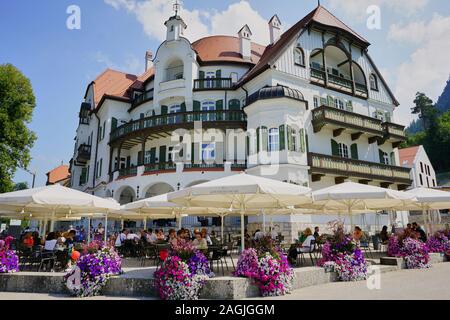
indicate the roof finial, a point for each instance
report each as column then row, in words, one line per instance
column 176, row 7
column 318, row 3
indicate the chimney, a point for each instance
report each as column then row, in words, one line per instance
column 245, row 46
column 274, row 29
column 148, row 60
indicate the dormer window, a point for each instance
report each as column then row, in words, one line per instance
column 299, row 57
column 373, row 82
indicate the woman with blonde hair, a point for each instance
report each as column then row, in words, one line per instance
column 304, row 247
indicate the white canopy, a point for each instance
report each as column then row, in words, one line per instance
column 352, row 197
column 55, row 198
column 430, row 198
column 242, row 192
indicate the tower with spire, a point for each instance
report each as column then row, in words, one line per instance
column 175, row 25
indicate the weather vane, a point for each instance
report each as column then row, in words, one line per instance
column 176, row 7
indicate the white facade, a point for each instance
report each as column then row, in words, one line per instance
column 266, row 124
column 422, row 171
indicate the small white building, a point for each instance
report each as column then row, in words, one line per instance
column 422, row 172
column 310, row 108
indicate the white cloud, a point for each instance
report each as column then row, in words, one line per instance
column 428, row 67
column 153, row 13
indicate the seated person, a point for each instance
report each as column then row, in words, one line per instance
column 133, row 236
column 28, row 240
column 206, row 236
column 304, row 247
column 50, row 242
column 258, row 235
column 200, row 242
column 418, row 229
column 384, row 237
column 358, row 234
column 316, row 233
column 173, row 240
column 121, row 238
column 151, row 236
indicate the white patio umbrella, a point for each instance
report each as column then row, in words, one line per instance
column 242, row 192
column 354, row 198
column 57, row 200
column 429, row 200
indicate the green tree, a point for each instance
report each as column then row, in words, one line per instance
column 425, row 109
column 17, row 102
column 21, row 186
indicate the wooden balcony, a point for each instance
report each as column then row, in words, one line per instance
column 338, row 83
column 394, row 133
column 348, row 168
column 162, row 167
column 160, row 126
column 84, row 153
column 213, row 84
column 341, row 120
column 146, row 96
column 127, row 172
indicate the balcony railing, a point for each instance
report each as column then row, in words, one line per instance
column 238, row 166
column 328, row 115
column 178, row 120
column 337, row 82
column 340, row 81
column 128, row 172
column 325, row 164
column 158, row 167
column 204, row 165
column 172, row 84
column 84, row 153
column 361, row 90
column 394, row 132
column 146, row 96
column 212, row 84
column 318, row 74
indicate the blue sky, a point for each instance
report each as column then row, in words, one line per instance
column 411, row 49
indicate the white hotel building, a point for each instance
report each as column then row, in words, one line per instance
column 311, row 108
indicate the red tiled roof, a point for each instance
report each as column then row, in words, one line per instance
column 139, row 83
column 407, row 156
column 112, row 83
column 224, row 49
column 58, row 174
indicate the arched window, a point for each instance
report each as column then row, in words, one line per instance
column 299, row 57
column 234, row 104
column 274, row 139
column 207, row 107
column 343, row 150
column 373, row 82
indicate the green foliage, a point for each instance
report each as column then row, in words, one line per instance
column 425, row 109
column 21, row 186
column 17, row 102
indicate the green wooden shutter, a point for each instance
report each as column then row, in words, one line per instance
column 100, row 170
column 247, row 145
column 282, row 137
column 196, row 106
column 234, row 104
column 306, row 140
column 393, row 162
column 289, row 137
column 183, row 107
column 152, row 155
column 258, row 139
column 140, row 158
column 323, row 101
column 330, row 101
column 387, row 117
column 113, row 124
column 192, row 152
column 219, row 105
column 162, row 154
column 201, row 75
column 163, row 109
column 381, row 155
column 264, row 138
column 303, row 140
column 349, row 106
column 218, row 80
column 334, row 148
column 354, row 151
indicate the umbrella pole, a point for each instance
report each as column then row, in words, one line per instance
column 179, row 222
column 44, row 228
column 264, row 221
column 145, row 223
column 424, row 215
column 221, row 228
column 106, row 227
column 122, row 223
column 52, row 222
column 89, row 230
column 242, row 231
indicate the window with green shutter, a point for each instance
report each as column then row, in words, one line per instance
column 196, row 108
column 163, row 109
column 201, row 75
column 303, row 140
column 162, row 154
column 354, row 151
column 349, row 106
column 183, row 107
column 234, row 104
column 381, row 155
column 393, row 162
column 289, row 137
column 264, row 138
column 282, row 137
column 334, row 148
column 113, row 124
column 323, row 101
column 387, row 117
column 330, row 101
column 219, row 105
column 218, row 76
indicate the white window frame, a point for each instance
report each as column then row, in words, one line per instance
column 209, row 151
column 274, row 140
column 294, row 139
column 343, row 151
column 339, row 104
column 210, row 75
column 208, row 105
column 316, row 101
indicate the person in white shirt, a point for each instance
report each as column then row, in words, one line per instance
column 206, row 237
column 133, row 236
column 259, row 235
column 121, row 238
column 50, row 242
column 273, row 234
column 304, row 247
column 151, row 236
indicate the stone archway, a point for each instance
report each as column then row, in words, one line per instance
column 158, row 189
column 127, row 195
